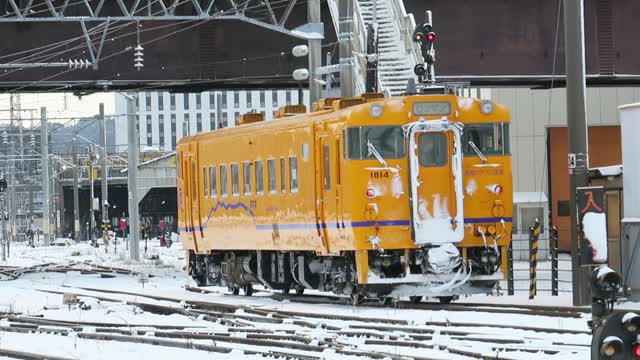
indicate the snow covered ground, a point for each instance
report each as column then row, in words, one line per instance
column 39, row 296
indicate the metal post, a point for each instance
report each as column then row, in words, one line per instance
column 577, row 129
column 553, row 243
column 315, row 52
column 76, row 201
column 4, row 234
column 345, row 11
column 510, row 278
column 12, row 198
column 104, row 171
column 534, row 234
column 132, row 183
column 92, row 220
column 46, row 192
column 328, row 78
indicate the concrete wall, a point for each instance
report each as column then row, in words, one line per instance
column 532, row 111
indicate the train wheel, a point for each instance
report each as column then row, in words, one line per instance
column 300, row 291
column 445, row 299
column 248, row 290
column 415, row 299
column 235, row 290
column 285, row 291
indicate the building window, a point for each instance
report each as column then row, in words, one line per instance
column 283, row 180
column 274, row 99
column 259, row 177
column 236, row 115
column 223, row 181
column 160, row 101
column 161, row 130
column 148, row 101
column 187, row 124
column 249, row 104
column 212, row 99
column 199, row 122
column 288, row 95
column 214, row 182
column 236, row 99
column 235, row 189
column 224, row 100
column 149, row 134
column 246, row 176
column 137, row 102
column 185, row 99
column 172, row 100
column 293, row 174
column 225, row 120
column 271, row 171
column 262, row 99
column 198, row 101
column 173, row 131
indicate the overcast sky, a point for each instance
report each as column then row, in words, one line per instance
column 60, row 105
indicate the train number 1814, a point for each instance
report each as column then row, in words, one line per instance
column 379, row 174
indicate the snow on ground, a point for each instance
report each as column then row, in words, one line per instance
column 27, row 296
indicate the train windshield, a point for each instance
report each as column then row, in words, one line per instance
column 489, row 139
column 388, row 141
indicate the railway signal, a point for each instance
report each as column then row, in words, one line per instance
column 615, row 334
column 424, row 35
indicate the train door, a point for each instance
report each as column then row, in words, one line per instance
column 337, row 166
column 436, row 182
column 195, row 206
column 326, row 197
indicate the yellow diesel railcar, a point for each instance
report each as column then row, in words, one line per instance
column 406, row 196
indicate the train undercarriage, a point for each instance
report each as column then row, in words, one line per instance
column 391, row 273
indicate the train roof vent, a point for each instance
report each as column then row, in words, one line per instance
column 290, row 110
column 249, row 118
column 345, row 103
column 370, row 97
column 324, row 104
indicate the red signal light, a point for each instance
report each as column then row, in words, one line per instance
column 431, row 36
column 636, row 350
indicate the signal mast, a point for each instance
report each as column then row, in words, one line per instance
column 424, row 35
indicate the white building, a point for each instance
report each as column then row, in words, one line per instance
column 165, row 117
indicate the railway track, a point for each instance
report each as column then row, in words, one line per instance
column 290, row 334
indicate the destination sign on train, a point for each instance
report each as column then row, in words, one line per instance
column 432, row 108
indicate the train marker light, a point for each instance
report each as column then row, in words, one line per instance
column 611, row 346
column 375, row 110
column 497, row 189
column 486, row 107
column 371, row 193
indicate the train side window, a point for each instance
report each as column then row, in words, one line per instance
column 271, row 171
column 194, row 178
column 326, row 167
column 283, row 177
column 235, row 187
column 223, row 181
column 293, row 174
column 246, row 176
column 205, row 184
column 214, row 182
column 259, row 177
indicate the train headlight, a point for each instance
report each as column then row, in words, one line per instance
column 375, row 110
column 486, row 107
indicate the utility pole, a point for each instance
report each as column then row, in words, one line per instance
column 132, row 181
column 315, row 52
column 76, row 200
column 105, row 194
column 345, row 27
column 577, row 129
column 46, row 195
column 92, row 220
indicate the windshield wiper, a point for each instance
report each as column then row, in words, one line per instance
column 376, row 154
column 475, row 148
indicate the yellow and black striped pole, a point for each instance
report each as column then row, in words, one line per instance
column 534, row 234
